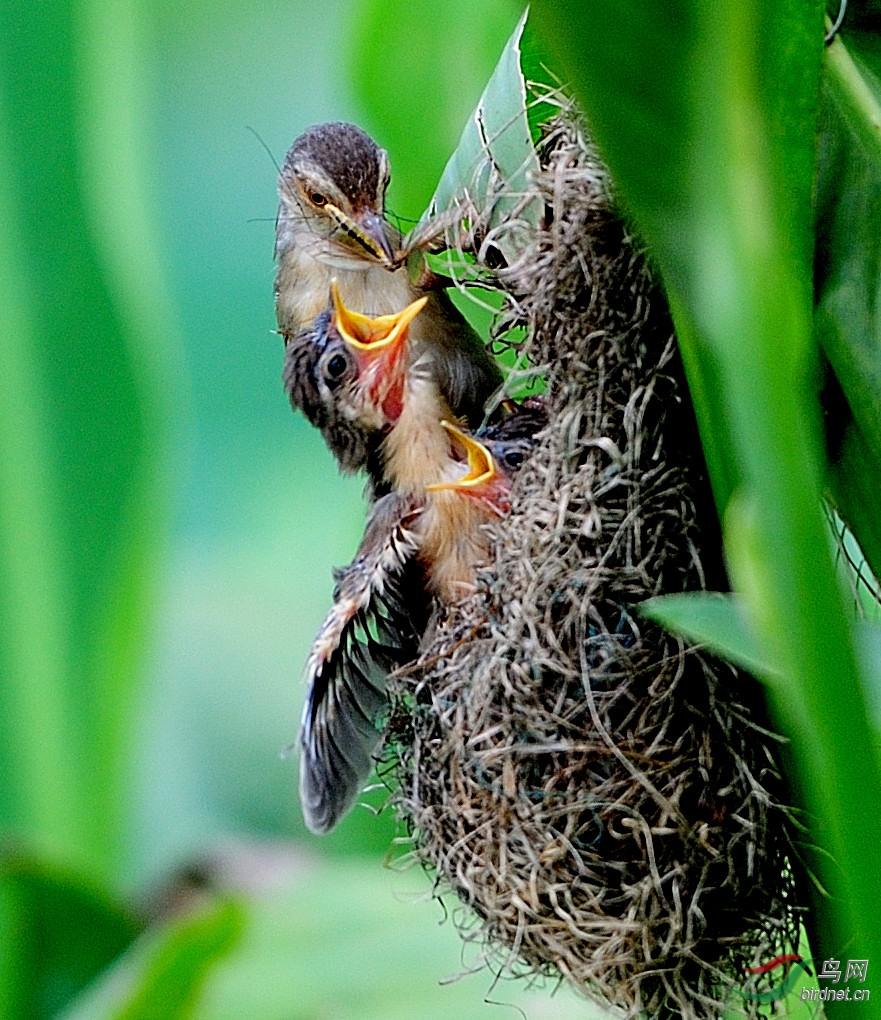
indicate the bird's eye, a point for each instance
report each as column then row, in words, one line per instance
column 316, row 198
column 336, row 366
column 514, row 459
column 335, row 369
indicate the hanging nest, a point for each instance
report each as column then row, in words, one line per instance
column 600, row 793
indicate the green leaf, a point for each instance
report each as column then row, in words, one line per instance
column 340, row 939
column 852, row 480
column 162, row 975
column 358, row 942
column 418, row 70
column 57, row 933
column 869, row 637
column 719, row 623
column 38, row 789
column 848, row 274
column 540, row 80
column 495, row 156
column 712, row 619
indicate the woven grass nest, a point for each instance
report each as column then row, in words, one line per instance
column 602, row 795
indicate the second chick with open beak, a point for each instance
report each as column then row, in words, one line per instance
column 416, row 547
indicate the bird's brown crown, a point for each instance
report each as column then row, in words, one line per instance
column 345, row 155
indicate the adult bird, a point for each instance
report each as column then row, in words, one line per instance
column 331, row 225
column 418, row 547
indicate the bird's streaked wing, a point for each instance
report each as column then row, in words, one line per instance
column 374, row 627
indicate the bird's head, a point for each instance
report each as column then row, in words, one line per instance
column 489, row 468
column 332, row 189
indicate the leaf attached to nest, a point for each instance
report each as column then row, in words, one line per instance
column 491, row 168
column 715, row 620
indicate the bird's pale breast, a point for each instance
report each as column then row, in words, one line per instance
column 302, row 287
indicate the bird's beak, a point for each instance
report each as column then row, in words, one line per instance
column 481, row 465
column 366, row 229
column 379, row 348
column 364, row 335
column 370, row 234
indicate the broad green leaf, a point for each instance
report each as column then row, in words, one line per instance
column 495, row 157
column 162, row 975
column 57, row 933
column 706, row 114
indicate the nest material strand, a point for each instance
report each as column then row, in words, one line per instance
column 600, row 793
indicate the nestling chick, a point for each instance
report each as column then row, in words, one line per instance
column 453, row 541
column 341, row 373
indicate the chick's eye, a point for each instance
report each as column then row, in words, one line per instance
column 514, row 458
column 316, row 198
column 335, row 368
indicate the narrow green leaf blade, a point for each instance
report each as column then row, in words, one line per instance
column 39, row 791
column 495, row 155
column 84, row 420
column 715, row 620
column 848, row 277
column 162, row 975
